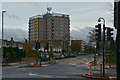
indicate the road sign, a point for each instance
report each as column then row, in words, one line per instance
column 23, row 50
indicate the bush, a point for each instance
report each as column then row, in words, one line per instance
column 11, row 52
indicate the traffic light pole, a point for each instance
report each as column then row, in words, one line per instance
column 117, row 25
column 118, row 53
column 99, row 20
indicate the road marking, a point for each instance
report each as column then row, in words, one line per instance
column 112, row 77
column 32, row 74
column 47, row 76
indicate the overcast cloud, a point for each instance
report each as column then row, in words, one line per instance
column 18, row 34
column 82, row 14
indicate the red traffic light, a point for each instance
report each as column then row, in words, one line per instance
column 36, row 41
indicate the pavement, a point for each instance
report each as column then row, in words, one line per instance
column 108, row 76
column 100, row 76
column 11, row 64
column 18, row 63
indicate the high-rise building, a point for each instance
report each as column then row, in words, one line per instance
column 50, row 26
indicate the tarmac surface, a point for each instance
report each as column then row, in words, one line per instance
column 63, row 68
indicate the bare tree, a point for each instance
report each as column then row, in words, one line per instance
column 91, row 37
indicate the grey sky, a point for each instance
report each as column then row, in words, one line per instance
column 82, row 16
column 57, row 0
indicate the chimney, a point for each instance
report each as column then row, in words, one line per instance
column 25, row 40
column 11, row 38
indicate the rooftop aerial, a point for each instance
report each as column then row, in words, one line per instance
column 48, row 12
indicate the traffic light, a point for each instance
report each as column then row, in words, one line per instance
column 98, row 32
column 97, row 46
column 109, row 34
column 36, row 41
column 37, row 44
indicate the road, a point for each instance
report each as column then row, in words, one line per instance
column 59, row 70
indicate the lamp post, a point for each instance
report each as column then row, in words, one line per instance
column 99, row 20
column 2, row 31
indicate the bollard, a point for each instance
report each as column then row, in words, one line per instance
column 104, row 63
column 101, row 69
column 37, row 61
column 7, row 60
column 51, row 60
column 32, row 63
column 40, row 62
column 54, row 60
column 90, row 70
column 20, row 60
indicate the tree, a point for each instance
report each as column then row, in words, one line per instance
column 33, row 54
column 92, row 41
column 76, row 46
column 91, row 37
column 65, row 43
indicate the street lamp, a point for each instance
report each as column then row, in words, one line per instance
column 99, row 20
column 2, row 31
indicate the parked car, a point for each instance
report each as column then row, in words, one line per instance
column 45, row 57
column 74, row 54
column 70, row 55
column 4, row 61
column 65, row 55
column 85, row 53
column 62, row 56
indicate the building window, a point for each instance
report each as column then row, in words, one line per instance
column 56, row 37
column 12, row 44
column 61, row 35
column 61, row 18
column 61, row 28
column 4, row 43
column 61, row 25
column 7, row 44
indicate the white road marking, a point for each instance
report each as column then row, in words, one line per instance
column 47, row 76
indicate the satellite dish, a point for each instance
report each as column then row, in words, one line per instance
column 49, row 9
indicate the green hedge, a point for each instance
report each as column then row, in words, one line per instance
column 13, row 52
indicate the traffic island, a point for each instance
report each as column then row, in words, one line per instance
column 100, row 76
column 34, row 66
